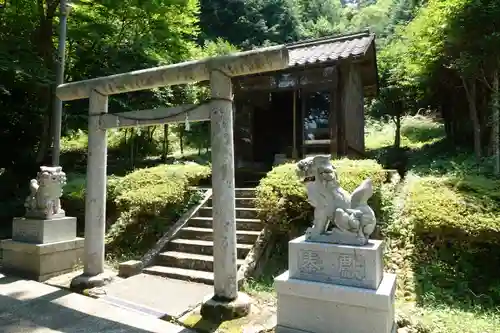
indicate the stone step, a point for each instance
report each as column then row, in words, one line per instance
column 239, row 202
column 181, row 274
column 242, row 236
column 204, row 247
column 197, row 262
column 245, row 202
column 245, row 192
column 241, row 224
column 241, row 213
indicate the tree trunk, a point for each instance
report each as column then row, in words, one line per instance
column 44, row 144
column 397, row 136
column 470, row 92
column 495, row 124
column 125, row 140
column 45, row 48
column 132, row 146
column 165, row 143
column 181, row 140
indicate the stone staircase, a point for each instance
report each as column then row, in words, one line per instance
column 189, row 256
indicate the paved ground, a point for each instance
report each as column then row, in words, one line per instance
column 157, row 296
column 64, row 281
column 32, row 307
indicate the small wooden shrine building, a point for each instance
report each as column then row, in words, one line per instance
column 316, row 105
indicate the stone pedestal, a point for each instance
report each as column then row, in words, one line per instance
column 41, row 249
column 38, row 231
column 333, row 288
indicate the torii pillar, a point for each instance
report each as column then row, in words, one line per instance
column 226, row 302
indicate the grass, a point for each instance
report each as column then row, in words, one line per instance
column 416, row 131
column 442, row 319
column 122, row 159
column 77, row 141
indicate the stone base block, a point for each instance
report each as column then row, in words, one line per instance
column 355, row 266
column 327, row 308
column 282, row 329
column 87, row 282
column 40, row 262
column 217, row 310
column 130, row 268
column 40, row 231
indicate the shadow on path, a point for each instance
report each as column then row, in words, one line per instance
column 28, row 306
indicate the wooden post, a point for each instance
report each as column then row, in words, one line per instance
column 332, row 119
column 303, row 116
column 341, row 108
column 295, row 153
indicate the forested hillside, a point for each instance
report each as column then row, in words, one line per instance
column 440, row 55
column 258, row 22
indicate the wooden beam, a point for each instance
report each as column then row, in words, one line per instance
column 242, row 63
column 176, row 114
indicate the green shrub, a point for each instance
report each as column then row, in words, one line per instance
column 139, row 206
column 282, row 198
column 465, row 209
column 148, row 201
column 73, row 198
column 444, row 240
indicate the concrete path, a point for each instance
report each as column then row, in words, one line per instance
column 157, row 296
column 32, row 307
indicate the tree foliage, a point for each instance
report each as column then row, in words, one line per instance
column 104, row 37
column 449, row 55
column 441, row 54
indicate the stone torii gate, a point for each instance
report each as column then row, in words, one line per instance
column 219, row 70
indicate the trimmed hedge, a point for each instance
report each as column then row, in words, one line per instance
column 148, row 202
column 465, row 209
column 140, row 205
column 282, row 198
column 444, row 239
column 73, row 198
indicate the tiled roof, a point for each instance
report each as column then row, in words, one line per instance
column 329, row 49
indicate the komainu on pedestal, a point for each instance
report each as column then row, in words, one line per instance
column 335, row 274
column 352, row 219
column 44, row 241
column 45, row 192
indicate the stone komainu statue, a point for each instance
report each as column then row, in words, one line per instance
column 45, row 193
column 353, row 220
